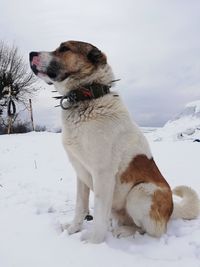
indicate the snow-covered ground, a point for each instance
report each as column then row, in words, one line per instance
column 184, row 126
column 37, row 194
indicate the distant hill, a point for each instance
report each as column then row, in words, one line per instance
column 185, row 125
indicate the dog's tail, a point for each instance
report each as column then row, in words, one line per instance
column 189, row 207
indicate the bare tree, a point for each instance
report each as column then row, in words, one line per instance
column 17, row 82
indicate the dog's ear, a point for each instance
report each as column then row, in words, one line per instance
column 96, row 56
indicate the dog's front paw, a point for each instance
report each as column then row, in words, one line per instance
column 72, row 228
column 93, row 237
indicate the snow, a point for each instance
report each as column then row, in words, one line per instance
column 37, row 194
column 184, row 126
column 195, row 104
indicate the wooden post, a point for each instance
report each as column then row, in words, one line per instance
column 9, row 124
column 31, row 112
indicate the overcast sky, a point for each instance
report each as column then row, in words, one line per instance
column 153, row 46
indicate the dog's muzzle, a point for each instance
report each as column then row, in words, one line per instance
column 34, row 61
column 48, row 68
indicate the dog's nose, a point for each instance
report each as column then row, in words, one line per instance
column 32, row 55
column 34, row 61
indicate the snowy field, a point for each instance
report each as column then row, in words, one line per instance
column 37, row 194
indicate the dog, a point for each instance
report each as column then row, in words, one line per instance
column 107, row 149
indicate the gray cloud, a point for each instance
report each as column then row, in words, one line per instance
column 153, row 46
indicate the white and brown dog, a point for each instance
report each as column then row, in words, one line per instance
column 110, row 154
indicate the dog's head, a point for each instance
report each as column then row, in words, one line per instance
column 71, row 64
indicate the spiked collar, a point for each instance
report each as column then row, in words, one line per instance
column 82, row 93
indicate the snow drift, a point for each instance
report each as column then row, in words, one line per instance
column 184, row 126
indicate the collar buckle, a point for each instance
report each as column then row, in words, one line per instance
column 63, row 106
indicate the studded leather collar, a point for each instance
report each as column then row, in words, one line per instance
column 82, row 93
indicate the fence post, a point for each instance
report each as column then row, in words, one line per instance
column 31, row 112
column 9, row 124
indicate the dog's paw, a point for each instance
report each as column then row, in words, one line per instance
column 92, row 237
column 72, row 228
column 124, row 231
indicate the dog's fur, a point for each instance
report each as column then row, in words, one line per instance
column 110, row 154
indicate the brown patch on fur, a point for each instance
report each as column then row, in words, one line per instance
column 162, row 205
column 143, row 170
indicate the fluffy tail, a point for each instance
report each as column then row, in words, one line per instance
column 189, row 207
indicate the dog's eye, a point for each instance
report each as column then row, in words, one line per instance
column 63, row 49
